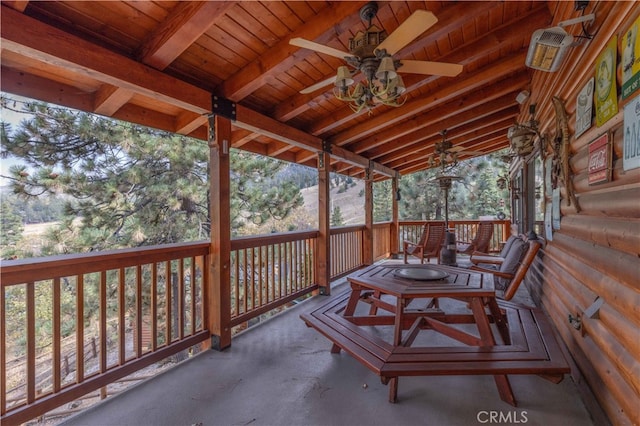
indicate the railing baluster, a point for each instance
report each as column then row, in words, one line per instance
column 103, row 321
column 57, row 335
column 154, row 307
column 122, row 309
column 245, row 281
column 31, row 343
column 180, row 297
column 169, row 301
column 138, row 342
column 192, row 283
column 80, row 329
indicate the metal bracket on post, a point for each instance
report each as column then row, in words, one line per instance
column 212, row 136
column 223, row 107
column 326, row 146
column 212, row 129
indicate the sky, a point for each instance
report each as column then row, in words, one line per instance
column 13, row 118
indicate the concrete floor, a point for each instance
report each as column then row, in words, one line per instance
column 282, row 373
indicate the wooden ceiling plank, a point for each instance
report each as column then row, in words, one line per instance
column 187, row 22
column 471, row 51
column 283, row 55
column 408, row 143
column 452, row 111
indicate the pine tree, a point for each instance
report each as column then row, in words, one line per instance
column 129, row 185
column 336, row 217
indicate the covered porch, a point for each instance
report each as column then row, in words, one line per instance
column 282, row 373
column 226, row 72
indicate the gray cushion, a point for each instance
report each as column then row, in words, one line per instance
column 507, row 245
column 511, row 262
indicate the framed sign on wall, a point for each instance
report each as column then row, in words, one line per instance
column 600, row 160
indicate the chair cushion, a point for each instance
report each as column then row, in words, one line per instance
column 511, row 262
column 507, row 245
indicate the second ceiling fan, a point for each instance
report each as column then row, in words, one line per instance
column 371, row 53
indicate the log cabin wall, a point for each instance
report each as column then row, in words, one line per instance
column 594, row 255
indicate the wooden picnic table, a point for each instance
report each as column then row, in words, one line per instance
column 407, row 283
column 523, row 342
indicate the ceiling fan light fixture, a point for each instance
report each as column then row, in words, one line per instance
column 399, row 86
column 343, row 78
column 386, row 70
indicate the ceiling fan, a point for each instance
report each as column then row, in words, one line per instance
column 446, row 155
column 371, row 53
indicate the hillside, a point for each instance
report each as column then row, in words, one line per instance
column 350, row 202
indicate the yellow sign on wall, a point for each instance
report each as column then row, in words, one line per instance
column 606, row 97
column 630, row 54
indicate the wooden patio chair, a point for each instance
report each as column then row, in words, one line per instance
column 511, row 272
column 429, row 245
column 480, row 242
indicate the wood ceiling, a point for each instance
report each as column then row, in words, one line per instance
column 158, row 62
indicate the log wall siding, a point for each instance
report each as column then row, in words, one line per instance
column 596, row 252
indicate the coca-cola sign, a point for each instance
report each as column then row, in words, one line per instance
column 599, row 160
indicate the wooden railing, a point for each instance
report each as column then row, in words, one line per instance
column 142, row 305
column 139, row 306
column 346, row 250
column 465, row 230
column 269, row 271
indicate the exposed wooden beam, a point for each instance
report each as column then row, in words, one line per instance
column 34, row 39
column 185, row 24
column 35, row 87
column 109, row 99
column 19, row 5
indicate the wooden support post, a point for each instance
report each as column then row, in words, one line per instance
column 323, row 272
column 220, row 258
column 367, row 238
column 393, row 238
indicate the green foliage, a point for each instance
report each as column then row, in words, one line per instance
column 475, row 194
column 257, row 191
column 336, row 217
column 382, row 201
column 128, row 185
column 11, row 227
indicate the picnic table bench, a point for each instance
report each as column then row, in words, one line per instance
column 524, row 342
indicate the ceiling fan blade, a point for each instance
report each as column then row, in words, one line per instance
column 416, row 24
column 430, row 68
column 318, row 85
column 300, row 42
